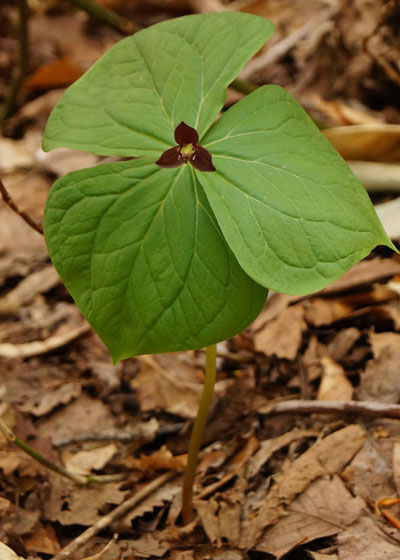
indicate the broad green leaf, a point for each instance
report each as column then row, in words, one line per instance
column 139, row 249
column 131, row 100
column 289, row 207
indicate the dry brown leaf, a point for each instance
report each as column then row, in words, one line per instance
column 364, row 539
column 42, row 402
column 160, row 460
column 63, row 160
column 58, row 73
column 167, row 390
column 270, row 446
column 396, row 465
column 282, row 335
column 84, row 415
column 8, row 554
column 319, row 460
column 334, row 385
column 369, row 475
column 379, row 380
column 87, row 461
column 323, row 510
column 365, row 272
column 343, row 342
column 72, row 505
column 43, row 540
column 319, row 556
column 221, row 515
column 157, row 499
column 388, row 213
column 30, row 349
column 36, row 283
column 370, row 142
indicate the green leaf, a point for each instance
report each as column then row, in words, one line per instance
column 131, row 100
column 289, row 207
column 140, row 251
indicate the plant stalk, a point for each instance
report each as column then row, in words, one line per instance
column 79, row 479
column 109, row 16
column 197, row 433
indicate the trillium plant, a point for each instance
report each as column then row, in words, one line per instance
column 176, row 247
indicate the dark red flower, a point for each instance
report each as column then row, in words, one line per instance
column 186, row 151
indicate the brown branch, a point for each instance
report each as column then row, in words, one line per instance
column 116, row 513
column 123, row 437
column 365, row 408
column 21, row 213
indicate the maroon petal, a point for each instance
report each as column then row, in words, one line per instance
column 185, row 135
column 170, row 158
column 202, row 159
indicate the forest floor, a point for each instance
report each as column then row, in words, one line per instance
column 301, row 458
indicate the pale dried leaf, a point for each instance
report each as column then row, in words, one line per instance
column 369, row 474
column 379, row 380
column 36, row 283
column 370, row 142
column 323, row 510
column 270, row 446
column 282, row 335
column 42, row 402
column 30, row 349
column 396, row 465
column 87, row 461
column 43, row 540
column 334, row 385
column 363, row 539
column 72, row 505
column 319, row 460
column 7, row 554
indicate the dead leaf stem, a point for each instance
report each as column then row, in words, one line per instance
column 11, row 204
column 116, row 513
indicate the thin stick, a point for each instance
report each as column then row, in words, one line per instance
column 109, row 16
column 197, row 434
column 366, row 408
column 124, row 437
column 19, row 73
column 116, row 513
column 21, row 213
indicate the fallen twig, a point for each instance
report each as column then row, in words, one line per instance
column 11, row 204
column 116, row 513
column 366, row 408
column 123, row 437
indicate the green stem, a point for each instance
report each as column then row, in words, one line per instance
column 59, row 469
column 112, row 18
column 197, row 433
column 243, row 86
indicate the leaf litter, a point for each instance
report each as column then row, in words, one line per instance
column 303, row 485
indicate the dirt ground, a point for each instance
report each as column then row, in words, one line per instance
column 301, row 458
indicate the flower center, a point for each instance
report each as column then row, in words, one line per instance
column 187, row 152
